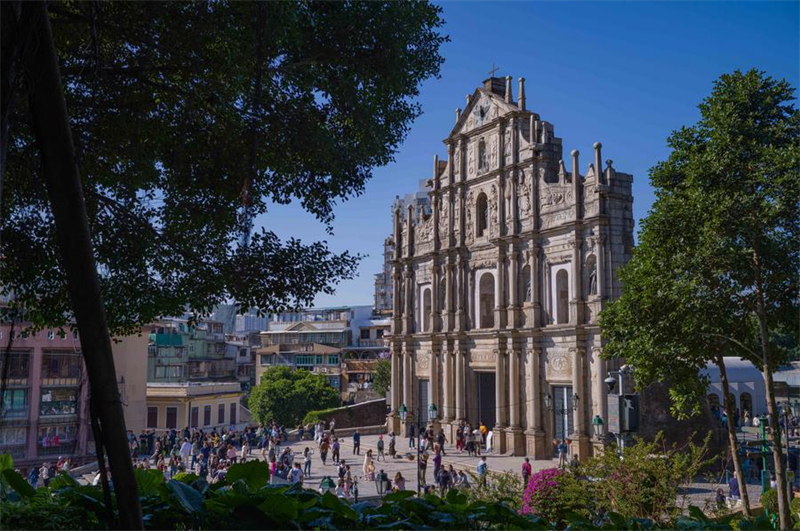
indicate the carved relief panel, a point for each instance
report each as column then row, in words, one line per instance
column 482, row 359
column 422, row 364
column 558, row 365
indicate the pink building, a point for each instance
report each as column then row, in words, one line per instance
column 45, row 410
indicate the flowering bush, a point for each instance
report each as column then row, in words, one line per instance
column 553, row 492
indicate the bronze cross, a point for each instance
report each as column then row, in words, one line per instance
column 494, row 70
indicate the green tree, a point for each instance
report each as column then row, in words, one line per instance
column 716, row 267
column 382, row 376
column 284, row 396
column 147, row 137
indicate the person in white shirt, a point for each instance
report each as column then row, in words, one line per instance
column 296, row 476
column 186, row 450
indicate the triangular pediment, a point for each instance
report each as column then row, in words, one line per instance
column 301, row 326
column 484, row 107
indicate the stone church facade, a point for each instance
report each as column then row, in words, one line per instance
column 499, row 280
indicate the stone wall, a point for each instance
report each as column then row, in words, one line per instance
column 372, row 413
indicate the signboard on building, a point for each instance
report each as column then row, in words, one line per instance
column 613, row 414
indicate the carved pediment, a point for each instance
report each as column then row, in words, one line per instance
column 483, row 107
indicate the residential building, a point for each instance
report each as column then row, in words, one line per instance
column 179, row 351
column 193, row 375
column 242, row 347
column 497, row 287
column 326, row 341
column 383, row 281
column 203, row 405
column 45, row 410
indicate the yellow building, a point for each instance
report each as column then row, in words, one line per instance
column 202, row 405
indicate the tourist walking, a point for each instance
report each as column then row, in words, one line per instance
column 483, row 469
column 380, row 448
column 526, row 471
column 356, row 443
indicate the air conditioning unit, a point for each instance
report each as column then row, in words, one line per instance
column 324, row 369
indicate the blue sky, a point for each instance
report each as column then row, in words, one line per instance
column 622, row 73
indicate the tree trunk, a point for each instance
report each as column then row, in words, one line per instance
column 737, row 466
column 772, row 409
column 54, row 137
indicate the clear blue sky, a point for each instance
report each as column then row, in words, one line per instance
column 622, row 73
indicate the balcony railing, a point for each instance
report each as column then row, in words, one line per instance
column 15, row 450
column 372, row 342
column 64, row 448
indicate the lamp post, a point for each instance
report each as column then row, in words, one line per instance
column 597, row 425
column 381, row 481
column 432, row 414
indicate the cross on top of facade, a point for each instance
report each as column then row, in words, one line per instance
column 494, row 70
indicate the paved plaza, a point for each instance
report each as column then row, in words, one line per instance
column 460, row 461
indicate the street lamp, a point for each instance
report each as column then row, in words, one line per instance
column 597, row 424
column 432, row 411
column 610, row 382
column 575, row 399
column 548, row 402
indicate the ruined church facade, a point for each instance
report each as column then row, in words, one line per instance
column 499, row 280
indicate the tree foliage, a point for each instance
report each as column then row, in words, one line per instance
column 724, row 226
column 189, row 119
column 382, row 376
column 284, row 396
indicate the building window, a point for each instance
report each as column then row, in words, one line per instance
column 482, row 215
column 60, row 439
column 265, row 359
column 152, row 350
column 379, row 333
column 233, row 413
column 13, row 436
column 562, row 297
column 18, row 365
column 59, row 401
column 152, row 417
column 172, row 418
column 193, row 421
column 304, row 359
column 61, row 366
column 15, row 404
column 333, row 359
column 242, row 352
column 191, row 349
column 51, row 334
column 221, row 414
column 486, row 301
column 206, row 415
column 365, row 333
column 482, row 164
column 319, row 359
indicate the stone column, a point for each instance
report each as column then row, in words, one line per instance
column 460, row 377
column 434, row 379
column 394, row 420
column 580, row 441
column 599, row 387
column 500, row 388
column 513, row 288
column 576, row 313
column 435, row 317
column 459, row 295
column 447, row 375
column 408, row 362
column 601, row 265
column 514, row 436
column 536, row 282
column 536, row 445
column 448, row 295
column 408, row 317
column 501, row 403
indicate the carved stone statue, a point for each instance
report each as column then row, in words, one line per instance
column 593, row 279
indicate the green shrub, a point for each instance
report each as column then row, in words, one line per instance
column 769, row 500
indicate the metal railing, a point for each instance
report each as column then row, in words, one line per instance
column 64, row 448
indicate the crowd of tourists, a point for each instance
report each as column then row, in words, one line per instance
column 41, row 476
